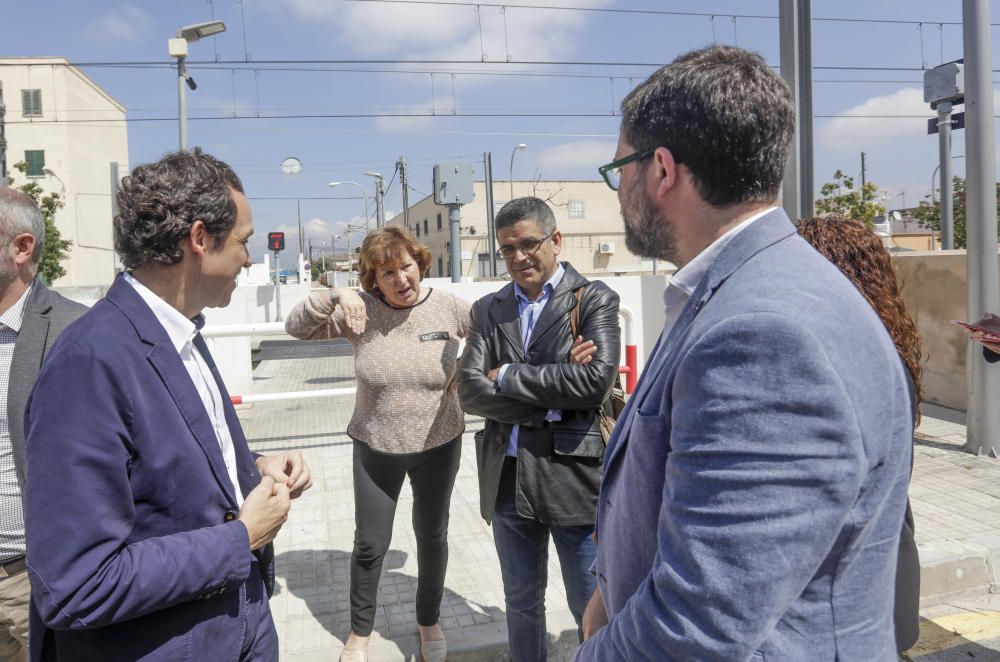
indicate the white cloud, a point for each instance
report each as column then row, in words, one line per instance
column 886, row 123
column 442, row 32
column 126, row 22
column 569, row 156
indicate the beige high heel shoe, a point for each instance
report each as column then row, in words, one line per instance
column 434, row 651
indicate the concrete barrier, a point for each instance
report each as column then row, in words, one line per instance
column 934, row 289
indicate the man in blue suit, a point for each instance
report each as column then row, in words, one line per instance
column 755, row 486
column 149, row 521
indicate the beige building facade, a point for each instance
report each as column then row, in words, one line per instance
column 69, row 131
column 587, row 214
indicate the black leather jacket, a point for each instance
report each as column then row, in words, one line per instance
column 559, row 463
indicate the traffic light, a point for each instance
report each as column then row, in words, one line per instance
column 276, row 241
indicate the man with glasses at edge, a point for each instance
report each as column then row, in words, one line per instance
column 539, row 388
column 755, row 484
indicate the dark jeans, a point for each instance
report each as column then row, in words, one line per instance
column 523, row 548
column 378, row 477
column 260, row 640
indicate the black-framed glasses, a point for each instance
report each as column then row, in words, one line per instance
column 612, row 172
column 528, row 247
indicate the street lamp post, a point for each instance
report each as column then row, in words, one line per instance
column 178, row 48
column 513, row 152
column 379, row 201
column 363, row 193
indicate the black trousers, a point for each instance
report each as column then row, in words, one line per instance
column 378, row 478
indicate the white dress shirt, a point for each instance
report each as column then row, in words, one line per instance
column 683, row 283
column 181, row 332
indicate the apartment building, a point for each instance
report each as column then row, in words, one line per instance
column 68, row 131
column 587, row 213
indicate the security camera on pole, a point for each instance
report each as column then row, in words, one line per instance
column 453, row 188
column 944, row 87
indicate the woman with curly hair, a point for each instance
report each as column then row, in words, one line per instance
column 859, row 253
column 407, row 420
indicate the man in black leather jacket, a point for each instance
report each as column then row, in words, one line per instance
column 540, row 455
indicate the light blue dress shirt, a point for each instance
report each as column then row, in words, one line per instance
column 528, row 312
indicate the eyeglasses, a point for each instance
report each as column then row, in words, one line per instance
column 612, row 172
column 528, row 247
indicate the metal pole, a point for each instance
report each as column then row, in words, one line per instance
column 944, row 146
column 116, row 261
column 182, row 103
column 277, row 288
column 454, row 216
column 379, row 206
column 406, row 192
column 3, row 141
column 298, row 209
column 796, row 68
column 491, row 237
column 982, row 379
column 804, row 119
column 350, row 261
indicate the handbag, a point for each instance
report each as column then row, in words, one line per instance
column 611, row 408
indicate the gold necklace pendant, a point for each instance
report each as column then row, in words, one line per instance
column 409, row 327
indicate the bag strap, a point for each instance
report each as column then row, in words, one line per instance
column 574, row 315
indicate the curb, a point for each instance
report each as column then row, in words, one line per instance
column 951, row 568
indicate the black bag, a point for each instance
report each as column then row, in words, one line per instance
column 612, row 408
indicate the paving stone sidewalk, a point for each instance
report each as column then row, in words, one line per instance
column 954, row 496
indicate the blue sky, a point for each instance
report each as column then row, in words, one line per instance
column 900, row 156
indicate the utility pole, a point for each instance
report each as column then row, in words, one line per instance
column 491, row 235
column 3, row 141
column 982, row 380
column 401, row 164
column 863, row 180
column 379, row 194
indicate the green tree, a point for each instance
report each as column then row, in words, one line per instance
column 56, row 248
column 929, row 213
column 840, row 198
column 321, row 264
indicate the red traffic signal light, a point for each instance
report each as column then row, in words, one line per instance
column 276, row 241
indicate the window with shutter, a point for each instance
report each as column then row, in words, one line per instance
column 576, row 209
column 31, row 103
column 35, row 158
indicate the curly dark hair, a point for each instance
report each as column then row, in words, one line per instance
column 389, row 245
column 723, row 113
column 855, row 249
column 158, row 203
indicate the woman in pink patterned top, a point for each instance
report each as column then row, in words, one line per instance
column 406, row 422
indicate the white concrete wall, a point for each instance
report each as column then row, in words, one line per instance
column 250, row 304
column 642, row 294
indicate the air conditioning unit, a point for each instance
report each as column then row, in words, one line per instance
column 606, row 248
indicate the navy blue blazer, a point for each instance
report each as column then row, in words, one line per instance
column 133, row 551
column 755, row 486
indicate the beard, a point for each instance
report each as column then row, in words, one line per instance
column 8, row 272
column 647, row 233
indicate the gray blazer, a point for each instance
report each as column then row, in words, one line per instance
column 755, row 486
column 46, row 315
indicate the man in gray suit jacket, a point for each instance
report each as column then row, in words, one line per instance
column 755, row 487
column 31, row 318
